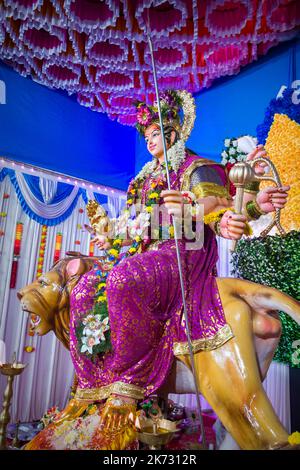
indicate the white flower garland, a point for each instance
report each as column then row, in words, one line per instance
column 176, row 156
column 236, row 150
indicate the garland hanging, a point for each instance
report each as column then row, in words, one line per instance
column 16, row 254
column 57, row 250
column 42, row 249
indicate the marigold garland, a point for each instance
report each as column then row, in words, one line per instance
column 294, row 438
column 42, row 249
column 16, row 254
column 91, row 249
column 57, row 250
column 217, row 216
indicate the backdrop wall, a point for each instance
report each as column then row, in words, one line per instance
column 49, row 129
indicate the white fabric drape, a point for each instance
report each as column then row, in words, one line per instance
column 41, row 208
column 48, row 189
column 47, row 379
column 115, row 204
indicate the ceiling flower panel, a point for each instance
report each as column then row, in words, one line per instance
column 98, row 49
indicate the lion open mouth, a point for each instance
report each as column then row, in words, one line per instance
column 34, row 317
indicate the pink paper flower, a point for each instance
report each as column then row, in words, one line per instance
column 144, row 116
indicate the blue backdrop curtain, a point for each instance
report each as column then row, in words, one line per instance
column 49, row 129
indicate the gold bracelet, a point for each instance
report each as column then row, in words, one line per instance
column 253, row 210
column 217, row 228
column 252, row 187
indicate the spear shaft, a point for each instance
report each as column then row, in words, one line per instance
column 185, row 315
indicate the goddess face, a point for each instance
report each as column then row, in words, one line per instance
column 153, row 138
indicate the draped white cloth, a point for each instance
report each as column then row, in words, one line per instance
column 47, row 379
column 48, row 189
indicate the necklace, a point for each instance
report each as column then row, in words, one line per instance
column 176, row 156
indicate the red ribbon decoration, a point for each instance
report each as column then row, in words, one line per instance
column 17, row 250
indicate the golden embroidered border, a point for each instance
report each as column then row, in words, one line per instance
column 185, row 185
column 205, row 344
column 101, row 393
column 209, row 189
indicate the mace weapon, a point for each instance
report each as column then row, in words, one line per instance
column 185, row 315
column 241, row 174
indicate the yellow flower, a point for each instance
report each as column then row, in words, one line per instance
column 132, row 191
column 149, row 209
column 294, row 438
column 113, row 252
column 101, row 298
column 153, row 195
column 117, row 241
column 129, row 201
column 132, row 250
column 171, row 230
column 102, row 284
column 137, row 238
column 214, row 216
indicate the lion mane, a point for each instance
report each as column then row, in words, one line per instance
column 52, row 304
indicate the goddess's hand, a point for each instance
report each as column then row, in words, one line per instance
column 102, row 242
column 259, row 151
column 173, row 201
column 232, row 225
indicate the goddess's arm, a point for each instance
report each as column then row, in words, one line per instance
column 209, row 183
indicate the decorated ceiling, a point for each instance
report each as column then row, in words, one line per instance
column 98, row 50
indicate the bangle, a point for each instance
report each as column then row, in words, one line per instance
column 253, row 210
column 252, row 187
column 217, row 228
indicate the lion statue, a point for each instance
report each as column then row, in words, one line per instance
column 230, row 376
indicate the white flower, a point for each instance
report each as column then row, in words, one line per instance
column 232, row 160
column 235, row 143
column 138, row 226
column 104, row 327
column 88, row 343
column 227, row 142
column 176, row 155
column 232, row 151
column 97, row 329
column 246, row 144
column 224, row 154
column 88, row 319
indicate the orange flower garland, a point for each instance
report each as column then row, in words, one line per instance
column 16, row 254
column 57, row 251
column 42, row 251
column 91, row 249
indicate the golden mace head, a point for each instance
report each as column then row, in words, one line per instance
column 241, row 173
